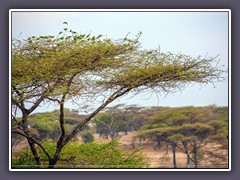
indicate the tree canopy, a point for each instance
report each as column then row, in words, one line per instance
column 86, row 66
column 189, row 129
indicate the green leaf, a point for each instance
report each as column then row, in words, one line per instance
column 99, row 36
column 75, row 38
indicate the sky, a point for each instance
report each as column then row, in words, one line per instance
column 190, row 33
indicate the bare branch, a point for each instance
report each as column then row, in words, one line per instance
column 109, row 100
column 32, row 140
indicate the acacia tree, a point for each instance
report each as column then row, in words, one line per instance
column 201, row 127
column 161, row 129
column 104, row 125
column 115, row 119
column 72, row 66
column 189, row 129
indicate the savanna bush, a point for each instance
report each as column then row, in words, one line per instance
column 90, row 155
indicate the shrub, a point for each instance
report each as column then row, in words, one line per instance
column 87, row 137
column 90, row 155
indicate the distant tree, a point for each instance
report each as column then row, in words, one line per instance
column 129, row 122
column 104, row 125
column 203, row 126
column 144, row 114
column 189, row 129
column 118, row 118
column 55, row 69
column 87, row 137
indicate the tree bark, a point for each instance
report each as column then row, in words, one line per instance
column 35, row 153
column 187, row 153
column 53, row 161
column 112, row 136
column 31, row 143
column 195, row 154
column 174, row 154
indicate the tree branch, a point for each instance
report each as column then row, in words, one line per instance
column 109, row 100
column 34, row 141
column 36, row 104
column 108, row 126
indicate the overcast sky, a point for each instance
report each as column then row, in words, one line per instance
column 191, row 33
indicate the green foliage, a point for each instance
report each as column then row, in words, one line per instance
column 116, row 119
column 190, row 129
column 47, row 124
column 90, row 155
column 44, row 117
column 87, row 137
column 47, row 129
column 23, row 160
column 101, row 121
column 188, row 121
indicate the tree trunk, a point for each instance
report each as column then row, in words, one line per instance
column 156, row 145
column 195, row 154
column 188, row 161
column 140, row 142
column 166, row 148
column 53, row 161
column 174, row 154
column 31, row 144
column 187, row 153
column 34, row 152
column 112, row 136
column 133, row 144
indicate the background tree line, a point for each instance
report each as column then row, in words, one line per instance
column 199, row 132
column 192, row 130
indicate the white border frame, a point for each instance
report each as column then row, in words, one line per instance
column 124, row 10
